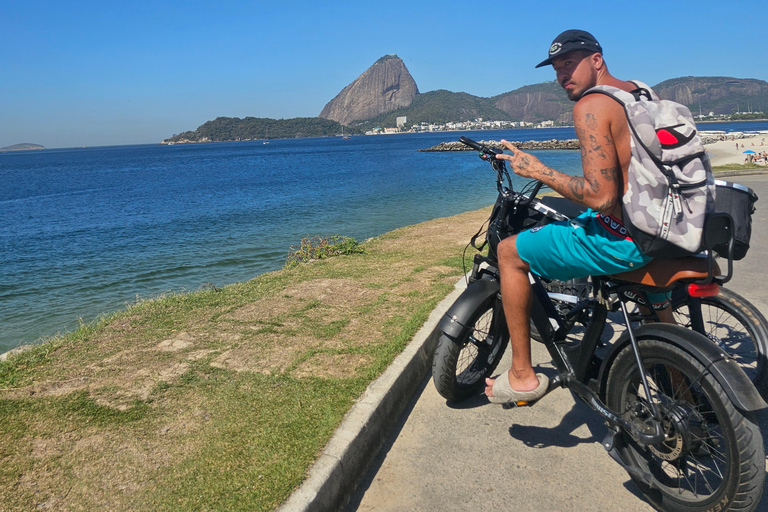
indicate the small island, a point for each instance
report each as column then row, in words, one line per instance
column 25, row 146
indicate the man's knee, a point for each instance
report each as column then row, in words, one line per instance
column 508, row 255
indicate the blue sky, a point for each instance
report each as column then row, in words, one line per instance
column 100, row 73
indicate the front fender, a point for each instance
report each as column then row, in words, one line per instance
column 457, row 316
column 723, row 368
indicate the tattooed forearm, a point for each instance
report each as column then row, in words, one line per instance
column 594, row 183
column 586, row 190
column 576, row 186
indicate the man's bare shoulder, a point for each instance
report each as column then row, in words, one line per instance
column 593, row 102
column 600, row 107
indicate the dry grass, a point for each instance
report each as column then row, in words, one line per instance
column 218, row 399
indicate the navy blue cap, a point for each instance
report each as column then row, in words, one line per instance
column 569, row 41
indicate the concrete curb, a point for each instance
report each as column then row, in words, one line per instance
column 337, row 472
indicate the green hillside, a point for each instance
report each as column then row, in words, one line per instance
column 441, row 107
column 224, row 129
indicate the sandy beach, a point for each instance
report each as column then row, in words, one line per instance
column 724, row 152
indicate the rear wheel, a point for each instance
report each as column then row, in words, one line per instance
column 735, row 325
column 461, row 365
column 712, row 457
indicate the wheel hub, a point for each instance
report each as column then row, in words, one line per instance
column 676, row 435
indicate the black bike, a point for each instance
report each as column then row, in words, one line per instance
column 727, row 319
column 679, row 409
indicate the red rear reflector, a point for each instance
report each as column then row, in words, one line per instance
column 703, row 290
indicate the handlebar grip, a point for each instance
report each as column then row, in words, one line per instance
column 478, row 147
column 469, row 142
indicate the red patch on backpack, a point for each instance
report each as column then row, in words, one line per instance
column 666, row 137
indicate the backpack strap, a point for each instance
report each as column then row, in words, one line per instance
column 643, row 90
column 626, row 97
column 623, row 97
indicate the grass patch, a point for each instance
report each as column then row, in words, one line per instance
column 739, row 167
column 220, row 399
column 320, row 247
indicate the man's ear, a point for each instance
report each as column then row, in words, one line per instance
column 597, row 61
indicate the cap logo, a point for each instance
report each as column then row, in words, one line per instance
column 555, row 48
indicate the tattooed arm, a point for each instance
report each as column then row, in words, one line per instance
column 599, row 186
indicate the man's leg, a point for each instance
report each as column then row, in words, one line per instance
column 516, row 298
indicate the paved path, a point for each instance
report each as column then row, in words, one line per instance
column 481, row 457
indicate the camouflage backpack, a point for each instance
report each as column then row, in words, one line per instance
column 670, row 186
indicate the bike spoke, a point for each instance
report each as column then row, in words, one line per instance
column 697, row 470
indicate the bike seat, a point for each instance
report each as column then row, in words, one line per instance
column 664, row 273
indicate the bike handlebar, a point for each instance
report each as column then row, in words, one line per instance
column 490, row 154
column 479, row 147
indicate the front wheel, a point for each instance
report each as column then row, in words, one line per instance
column 712, row 457
column 461, row 365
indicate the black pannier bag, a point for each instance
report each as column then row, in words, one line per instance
column 739, row 202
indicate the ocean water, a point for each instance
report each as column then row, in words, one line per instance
column 87, row 231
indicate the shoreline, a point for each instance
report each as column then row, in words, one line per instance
column 723, row 149
column 729, row 149
column 530, row 145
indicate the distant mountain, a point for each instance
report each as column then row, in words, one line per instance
column 386, row 91
column 548, row 102
column 536, row 103
column 385, row 86
column 718, row 94
column 22, row 147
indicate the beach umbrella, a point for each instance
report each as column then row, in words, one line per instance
column 749, row 151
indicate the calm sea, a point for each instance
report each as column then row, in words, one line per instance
column 87, row 231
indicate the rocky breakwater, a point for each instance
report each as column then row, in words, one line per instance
column 494, row 144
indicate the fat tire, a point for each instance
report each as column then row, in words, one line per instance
column 461, row 365
column 736, row 326
column 708, row 411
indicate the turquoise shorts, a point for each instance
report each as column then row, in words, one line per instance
column 590, row 244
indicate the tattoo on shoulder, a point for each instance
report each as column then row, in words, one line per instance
column 591, row 122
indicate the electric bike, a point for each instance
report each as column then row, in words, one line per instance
column 679, row 409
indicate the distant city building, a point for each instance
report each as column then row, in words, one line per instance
column 477, row 124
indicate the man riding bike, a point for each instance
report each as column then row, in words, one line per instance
column 594, row 243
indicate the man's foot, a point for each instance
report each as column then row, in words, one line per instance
column 499, row 390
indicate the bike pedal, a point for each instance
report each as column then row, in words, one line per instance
column 515, row 405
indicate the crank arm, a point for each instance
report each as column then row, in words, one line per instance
column 645, row 436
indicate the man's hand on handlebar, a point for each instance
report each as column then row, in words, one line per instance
column 522, row 164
